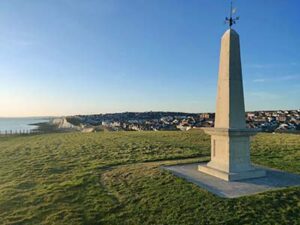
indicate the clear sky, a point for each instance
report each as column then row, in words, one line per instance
column 65, row 57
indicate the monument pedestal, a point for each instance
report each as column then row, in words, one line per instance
column 232, row 176
column 230, row 154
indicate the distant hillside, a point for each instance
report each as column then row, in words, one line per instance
column 137, row 115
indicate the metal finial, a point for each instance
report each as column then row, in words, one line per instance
column 231, row 20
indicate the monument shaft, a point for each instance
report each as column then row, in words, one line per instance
column 230, row 111
column 230, row 139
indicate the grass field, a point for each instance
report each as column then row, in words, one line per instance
column 114, row 178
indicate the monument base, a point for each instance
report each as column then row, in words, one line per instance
column 248, row 174
column 274, row 180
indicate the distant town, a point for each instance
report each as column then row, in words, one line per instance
column 267, row 121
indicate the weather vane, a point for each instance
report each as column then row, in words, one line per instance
column 231, row 20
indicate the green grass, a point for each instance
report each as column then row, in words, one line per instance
column 114, row 178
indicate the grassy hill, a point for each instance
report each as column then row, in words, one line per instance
column 114, row 178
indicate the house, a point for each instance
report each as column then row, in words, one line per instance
column 282, row 118
column 251, row 115
column 207, row 116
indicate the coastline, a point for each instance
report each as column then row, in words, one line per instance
column 44, row 127
column 48, row 127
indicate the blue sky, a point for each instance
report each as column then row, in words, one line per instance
column 64, row 57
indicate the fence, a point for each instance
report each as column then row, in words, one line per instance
column 16, row 132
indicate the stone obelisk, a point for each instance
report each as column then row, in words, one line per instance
column 230, row 139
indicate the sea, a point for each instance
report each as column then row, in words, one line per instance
column 20, row 124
